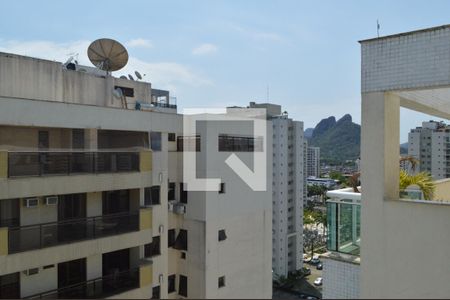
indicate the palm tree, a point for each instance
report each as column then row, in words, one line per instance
column 423, row 180
column 411, row 159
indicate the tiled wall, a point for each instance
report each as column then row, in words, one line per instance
column 340, row 280
column 420, row 59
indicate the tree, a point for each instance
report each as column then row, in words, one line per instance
column 423, row 180
column 309, row 238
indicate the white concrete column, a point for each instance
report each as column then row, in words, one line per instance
column 379, row 177
column 94, row 204
column 94, row 266
column 90, row 139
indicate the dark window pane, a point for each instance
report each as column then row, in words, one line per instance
column 221, row 281
column 222, row 235
column 155, row 141
column 171, row 238
column 181, row 243
column 171, row 191
column 156, row 292
column 77, row 138
column 152, row 195
column 116, row 202
column 10, row 286
column 171, row 137
column 153, row 248
column 182, row 288
column 183, row 194
column 171, row 284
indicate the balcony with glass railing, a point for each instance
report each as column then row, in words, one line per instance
column 106, row 286
column 46, row 163
column 344, row 222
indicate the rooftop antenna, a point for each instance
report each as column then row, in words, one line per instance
column 107, row 55
column 378, row 28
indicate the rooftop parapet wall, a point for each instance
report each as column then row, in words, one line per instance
column 412, row 60
column 39, row 79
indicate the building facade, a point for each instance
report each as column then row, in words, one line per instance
column 313, row 162
column 429, row 144
column 409, row 70
column 288, row 189
column 92, row 200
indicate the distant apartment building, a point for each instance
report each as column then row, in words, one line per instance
column 430, row 145
column 313, row 162
column 341, row 264
column 326, row 182
column 92, row 198
column 408, row 70
column 288, row 189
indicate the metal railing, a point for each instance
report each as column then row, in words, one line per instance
column 39, row 236
column 102, row 287
column 65, row 163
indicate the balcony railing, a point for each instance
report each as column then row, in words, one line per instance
column 66, row 163
column 102, row 287
column 39, row 236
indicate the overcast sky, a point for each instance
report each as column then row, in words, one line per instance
column 221, row 53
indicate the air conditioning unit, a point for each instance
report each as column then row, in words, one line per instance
column 51, row 200
column 30, row 272
column 31, row 202
column 179, row 208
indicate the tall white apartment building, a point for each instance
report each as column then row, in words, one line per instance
column 313, row 162
column 429, row 144
column 288, row 189
column 92, row 198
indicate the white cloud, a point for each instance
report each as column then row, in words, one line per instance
column 142, row 43
column 204, row 49
column 165, row 75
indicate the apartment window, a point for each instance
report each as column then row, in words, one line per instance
column 10, row 286
column 181, row 243
column 221, row 281
column 182, row 287
column 222, row 235
column 189, row 143
column 156, row 292
column 171, row 137
column 183, row 194
column 183, row 255
column 153, row 248
column 152, row 195
column 171, row 284
column 171, row 236
column 222, row 188
column 126, row 91
column 171, row 191
column 77, row 138
column 155, row 141
column 240, row 143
